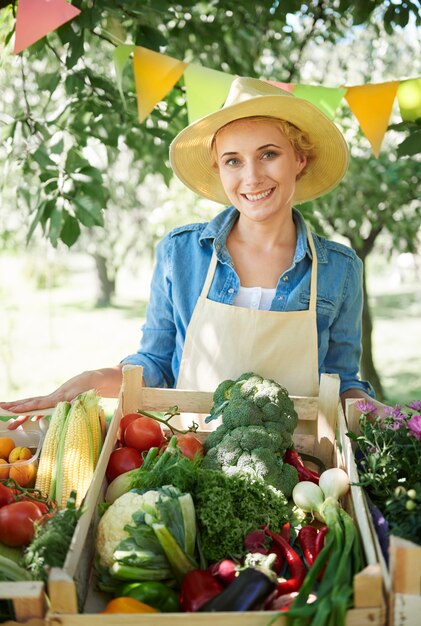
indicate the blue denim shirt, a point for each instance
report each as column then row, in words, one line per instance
column 182, row 262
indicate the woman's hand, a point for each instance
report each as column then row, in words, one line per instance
column 106, row 383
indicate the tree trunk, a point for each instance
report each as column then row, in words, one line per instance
column 106, row 284
column 368, row 369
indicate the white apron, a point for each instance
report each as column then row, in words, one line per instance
column 224, row 341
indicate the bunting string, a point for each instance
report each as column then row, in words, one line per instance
column 206, row 89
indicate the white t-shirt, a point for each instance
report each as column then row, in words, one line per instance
column 254, row 298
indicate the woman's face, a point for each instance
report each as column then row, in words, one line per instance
column 258, row 167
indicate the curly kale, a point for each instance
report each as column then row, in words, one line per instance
column 258, row 421
column 229, row 507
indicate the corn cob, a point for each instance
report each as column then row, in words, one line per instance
column 93, row 411
column 47, row 465
column 75, row 457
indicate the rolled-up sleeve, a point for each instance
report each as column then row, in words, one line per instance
column 344, row 351
column 157, row 343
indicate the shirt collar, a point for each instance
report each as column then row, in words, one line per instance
column 220, row 226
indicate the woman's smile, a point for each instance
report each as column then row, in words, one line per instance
column 258, row 168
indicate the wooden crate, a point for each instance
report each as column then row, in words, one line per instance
column 74, row 601
column 402, row 579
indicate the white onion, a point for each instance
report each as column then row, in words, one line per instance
column 334, row 483
column 307, row 496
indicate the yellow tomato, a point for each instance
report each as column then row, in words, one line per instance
column 128, row 605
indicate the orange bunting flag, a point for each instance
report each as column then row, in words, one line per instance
column 327, row 99
column 409, row 99
column 37, row 18
column 155, row 75
column 372, row 106
column 206, row 90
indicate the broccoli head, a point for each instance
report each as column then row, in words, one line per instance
column 258, row 421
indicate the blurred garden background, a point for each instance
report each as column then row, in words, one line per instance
column 86, row 190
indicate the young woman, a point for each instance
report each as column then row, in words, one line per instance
column 254, row 289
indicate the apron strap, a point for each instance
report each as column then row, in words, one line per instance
column 209, row 276
column 313, row 281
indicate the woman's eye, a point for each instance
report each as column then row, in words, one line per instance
column 232, row 162
column 269, row 155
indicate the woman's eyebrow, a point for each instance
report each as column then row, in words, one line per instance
column 267, row 145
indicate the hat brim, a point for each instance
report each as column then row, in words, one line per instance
column 192, row 161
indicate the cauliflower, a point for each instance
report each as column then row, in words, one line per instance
column 111, row 528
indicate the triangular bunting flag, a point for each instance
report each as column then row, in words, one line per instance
column 409, row 99
column 37, row 18
column 206, row 90
column 372, row 106
column 285, row 86
column 120, row 57
column 327, row 99
column 155, row 74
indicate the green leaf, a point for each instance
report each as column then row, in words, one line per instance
column 41, row 157
column 76, row 50
column 89, row 211
column 411, row 145
column 75, row 161
column 36, row 220
column 48, row 81
column 70, row 231
column 56, row 222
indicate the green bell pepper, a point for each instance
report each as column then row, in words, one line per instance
column 154, row 593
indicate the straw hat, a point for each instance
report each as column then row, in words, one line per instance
column 190, row 152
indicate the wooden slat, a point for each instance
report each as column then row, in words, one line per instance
column 405, row 566
column 326, row 418
column 28, row 598
column 368, row 587
column 355, row 617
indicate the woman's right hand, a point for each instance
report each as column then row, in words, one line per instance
column 106, row 382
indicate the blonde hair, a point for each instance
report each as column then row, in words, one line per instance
column 299, row 139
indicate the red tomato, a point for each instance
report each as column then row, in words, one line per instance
column 122, row 460
column 143, row 433
column 6, row 495
column 43, row 506
column 189, row 445
column 17, row 523
column 124, row 422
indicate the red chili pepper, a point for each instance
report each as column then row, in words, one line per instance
column 320, row 542
column 286, row 531
column 307, row 539
column 197, row 588
column 292, row 457
column 257, row 541
column 296, row 566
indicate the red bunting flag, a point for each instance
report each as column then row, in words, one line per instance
column 37, row 18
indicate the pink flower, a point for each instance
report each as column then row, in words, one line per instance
column 414, row 424
column 365, row 407
column 415, row 406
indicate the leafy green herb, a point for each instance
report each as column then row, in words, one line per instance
column 52, row 540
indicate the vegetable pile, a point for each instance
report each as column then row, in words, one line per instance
column 215, row 532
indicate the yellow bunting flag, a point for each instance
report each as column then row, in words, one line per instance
column 409, row 99
column 120, row 57
column 206, row 90
column 155, row 75
column 372, row 106
column 327, row 99
column 37, row 18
